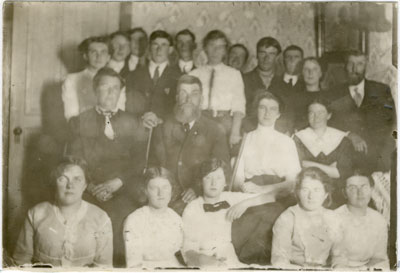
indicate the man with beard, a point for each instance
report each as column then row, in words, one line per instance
column 186, row 139
column 365, row 108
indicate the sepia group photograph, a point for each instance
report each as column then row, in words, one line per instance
column 198, row 136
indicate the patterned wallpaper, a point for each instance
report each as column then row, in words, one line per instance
column 244, row 22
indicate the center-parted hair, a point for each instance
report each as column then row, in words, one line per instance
column 264, row 94
column 324, row 102
column 67, row 162
column 317, row 174
column 106, row 71
column 161, row 34
column 153, row 173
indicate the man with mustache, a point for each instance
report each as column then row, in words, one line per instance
column 365, row 109
column 186, row 139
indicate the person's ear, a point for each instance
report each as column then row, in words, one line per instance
column 85, row 57
column 329, row 116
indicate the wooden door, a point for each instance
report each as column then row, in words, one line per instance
column 45, row 36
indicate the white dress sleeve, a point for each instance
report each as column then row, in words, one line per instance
column 133, row 235
column 70, row 98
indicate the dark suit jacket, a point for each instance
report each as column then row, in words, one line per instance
column 288, row 94
column 143, row 96
column 183, row 155
column 374, row 120
column 107, row 159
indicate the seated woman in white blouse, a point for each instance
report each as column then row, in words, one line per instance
column 365, row 230
column 269, row 162
column 68, row 232
column 153, row 234
column 307, row 234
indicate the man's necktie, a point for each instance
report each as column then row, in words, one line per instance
column 211, row 85
column 357, row 97
column 216, row 207
column 186, row 128
column 156, row 76
column 290, row 82
column 108, row 130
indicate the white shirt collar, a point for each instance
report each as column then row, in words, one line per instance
column 117, row 66
column 325, row 144
column 191, row 124
column 185, row 66
column 360, row 88
column 133, row 61
column 216, row 67
column 287, row 77
column 153, row 66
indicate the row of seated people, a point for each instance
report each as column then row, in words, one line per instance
column 71, row 232
column 119, row 145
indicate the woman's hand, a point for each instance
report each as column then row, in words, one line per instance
column 188, row 195
column 104, row 191
column 250, row 187
column 236, row 211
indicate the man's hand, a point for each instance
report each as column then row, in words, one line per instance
column 188, row 195
column 236, row 211
column 104, row 191
column 359, row 144
column 234, row 139
column 150, row 120
column 250, row 187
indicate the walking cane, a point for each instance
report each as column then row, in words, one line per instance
column 148, row 151
column 235, row 167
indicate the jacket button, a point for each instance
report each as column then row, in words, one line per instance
column 180, row 163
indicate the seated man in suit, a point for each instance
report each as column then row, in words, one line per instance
column 185, row 42
column 120, row 50
column 223, row 90
column 139, row 41
column 185, row 139
column 113, row 144
column 238, row 56
column 151, row 88
column 365, row 108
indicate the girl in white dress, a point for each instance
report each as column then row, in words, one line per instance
column 153, row 234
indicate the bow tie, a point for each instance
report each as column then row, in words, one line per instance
column 216, row 207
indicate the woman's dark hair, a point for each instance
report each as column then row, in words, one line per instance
column 359, row 172
column 214, row 35
column 106, row 71
column 152, row 173
column 322, row 101
column 317, row 174
column 212, row 165
column 84, row 45
column 66, row 162
column 323, row 65
column 264, row 94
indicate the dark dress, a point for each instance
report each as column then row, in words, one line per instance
column 342, row 155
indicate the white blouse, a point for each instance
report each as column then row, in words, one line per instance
column 152, row 239
column 365, row 237
column 268, row 152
